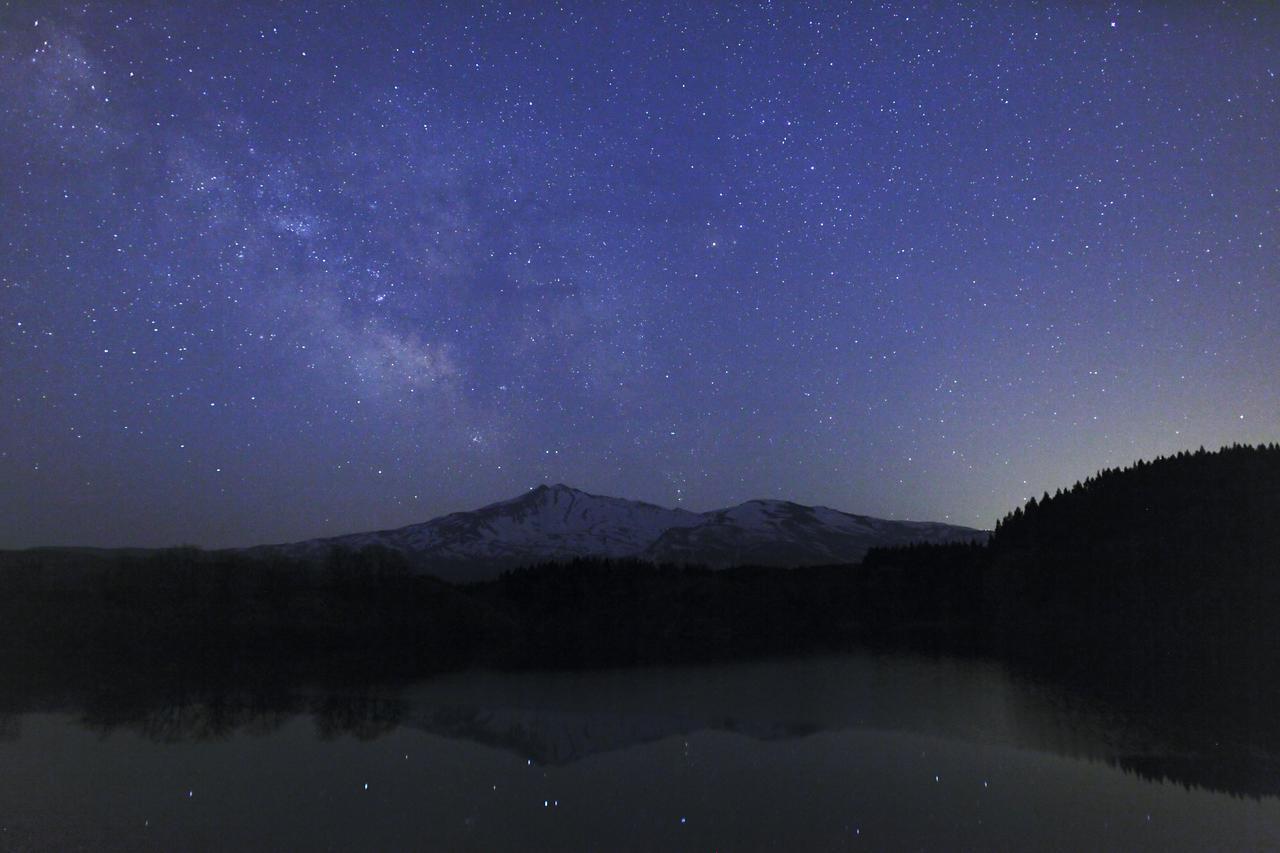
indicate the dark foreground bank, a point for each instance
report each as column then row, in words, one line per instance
column 1153, row 590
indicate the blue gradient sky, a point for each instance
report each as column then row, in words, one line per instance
column 276, row 271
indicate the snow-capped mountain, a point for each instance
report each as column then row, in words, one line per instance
column 784, row 533
column 558, row 522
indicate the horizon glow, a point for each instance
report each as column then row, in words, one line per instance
column 269, row 274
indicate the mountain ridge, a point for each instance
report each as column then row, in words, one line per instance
column 559, row 522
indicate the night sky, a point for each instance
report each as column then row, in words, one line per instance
column 274, row 271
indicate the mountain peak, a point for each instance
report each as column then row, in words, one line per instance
column 558, row 522
column 555, row 488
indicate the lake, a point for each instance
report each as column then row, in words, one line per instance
column 849, row 752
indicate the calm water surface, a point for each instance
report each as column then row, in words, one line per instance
column 851, row 752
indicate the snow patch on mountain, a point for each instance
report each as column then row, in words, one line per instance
column 558, row 522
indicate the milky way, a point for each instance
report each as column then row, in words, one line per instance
column 270, row 271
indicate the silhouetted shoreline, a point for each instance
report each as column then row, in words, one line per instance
column 1151, row 590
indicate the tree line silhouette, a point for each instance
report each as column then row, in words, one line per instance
column 1151, row 590
column 1173, row 561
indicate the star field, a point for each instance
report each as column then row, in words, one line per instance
column 274, row 272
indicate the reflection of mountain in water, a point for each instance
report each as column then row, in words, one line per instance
column 560, row 718
column 564, row 717
column 562, row 737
